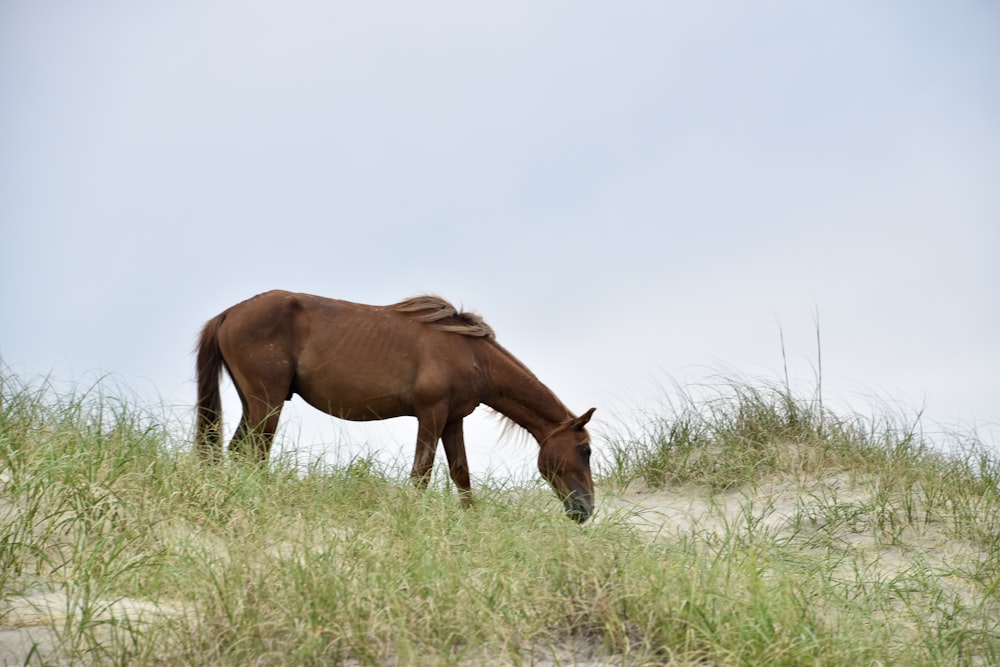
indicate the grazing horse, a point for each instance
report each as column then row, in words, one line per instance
column 420, row 357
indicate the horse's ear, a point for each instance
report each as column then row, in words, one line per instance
column 582, row 420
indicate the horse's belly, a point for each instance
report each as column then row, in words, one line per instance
column 356, row 403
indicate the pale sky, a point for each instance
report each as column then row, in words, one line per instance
column 632, row 193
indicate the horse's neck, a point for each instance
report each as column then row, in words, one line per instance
column 516, row 393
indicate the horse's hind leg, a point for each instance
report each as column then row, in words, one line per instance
column 258, row 345
column 255, row 433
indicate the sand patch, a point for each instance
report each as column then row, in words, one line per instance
column 38, row 624
column 837, row 512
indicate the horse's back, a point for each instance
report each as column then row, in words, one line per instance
column 291, row 314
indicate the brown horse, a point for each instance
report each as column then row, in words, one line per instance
column 420, row 357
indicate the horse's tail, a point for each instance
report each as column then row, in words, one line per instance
column 208, row 432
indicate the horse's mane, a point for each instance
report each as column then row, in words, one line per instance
column 442, row 315
column 509, row 429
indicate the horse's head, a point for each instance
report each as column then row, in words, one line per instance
column 564, row 460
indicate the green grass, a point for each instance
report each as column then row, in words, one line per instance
column 104, row 510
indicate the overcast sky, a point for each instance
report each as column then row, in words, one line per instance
column 632, row 193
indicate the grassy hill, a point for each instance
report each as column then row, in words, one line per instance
column 747, row 528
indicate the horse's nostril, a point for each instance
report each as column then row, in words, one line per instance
column 579, row 509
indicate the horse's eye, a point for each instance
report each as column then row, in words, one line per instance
column 585, row 451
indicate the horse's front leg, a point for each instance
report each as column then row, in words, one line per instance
column 429, row 428
column 458, row 464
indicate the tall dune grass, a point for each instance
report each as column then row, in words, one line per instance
column 131, row 552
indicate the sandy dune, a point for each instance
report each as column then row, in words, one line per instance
column 32, row 624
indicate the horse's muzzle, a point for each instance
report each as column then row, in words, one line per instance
column 578, row 506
